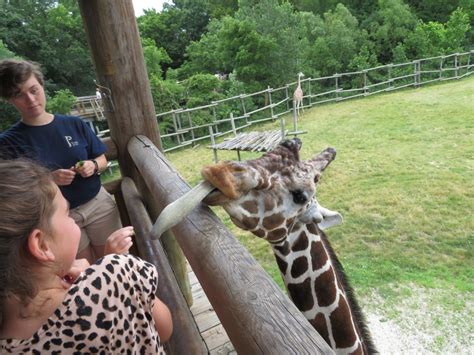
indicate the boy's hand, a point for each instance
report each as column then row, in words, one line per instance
column 78, row 266
column 120, row 241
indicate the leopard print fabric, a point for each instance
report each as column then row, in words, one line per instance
column 106, row 311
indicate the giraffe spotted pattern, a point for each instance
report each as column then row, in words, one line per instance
column 274, row 198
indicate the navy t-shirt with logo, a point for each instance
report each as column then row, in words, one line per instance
column 59, row 144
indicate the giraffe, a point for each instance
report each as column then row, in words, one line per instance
column 273, row 197
column 298, row 96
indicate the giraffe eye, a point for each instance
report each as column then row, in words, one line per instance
column 300, row 197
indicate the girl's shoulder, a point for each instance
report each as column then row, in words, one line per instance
column 108, row 302
column 121, row 270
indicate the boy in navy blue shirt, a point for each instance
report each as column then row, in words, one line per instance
column 69, row 148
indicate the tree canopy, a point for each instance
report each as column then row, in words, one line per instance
column 255, row 43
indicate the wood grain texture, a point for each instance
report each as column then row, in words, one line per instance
column 186, row 337
column 112, row 34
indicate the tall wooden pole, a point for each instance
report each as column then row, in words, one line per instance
column 114, row 41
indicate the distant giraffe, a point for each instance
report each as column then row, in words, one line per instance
column 298, row 96
column 273, row 197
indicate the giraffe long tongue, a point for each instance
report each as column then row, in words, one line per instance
column 180, row 208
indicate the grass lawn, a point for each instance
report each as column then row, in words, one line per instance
column 403, row 181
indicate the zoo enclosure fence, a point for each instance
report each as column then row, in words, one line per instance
column 188, row 126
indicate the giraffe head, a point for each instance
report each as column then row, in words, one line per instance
column 270, row 195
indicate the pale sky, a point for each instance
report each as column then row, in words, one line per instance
column 140, row 5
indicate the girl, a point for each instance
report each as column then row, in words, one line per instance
column 49, row 301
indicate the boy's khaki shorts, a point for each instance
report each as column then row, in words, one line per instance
column 97, row 218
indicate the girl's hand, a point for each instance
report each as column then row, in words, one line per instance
column 64, row 176
column 85, row 168
column 120, row 241
column 78, row 266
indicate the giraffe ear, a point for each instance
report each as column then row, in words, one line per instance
column 230, row 179
column 323, row 159
column 329, row 218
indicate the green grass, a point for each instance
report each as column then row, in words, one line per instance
column 402, row 179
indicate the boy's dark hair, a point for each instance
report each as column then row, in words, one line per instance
column 27, row 191
column 14, row 72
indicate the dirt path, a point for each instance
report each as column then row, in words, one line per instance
column 424, row 321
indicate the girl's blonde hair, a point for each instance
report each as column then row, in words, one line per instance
column 27, row 191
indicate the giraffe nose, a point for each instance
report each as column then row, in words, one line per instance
column 300, row 197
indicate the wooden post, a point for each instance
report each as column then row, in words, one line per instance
column 186, row 338
column 295, row 117
column 390, row 76
column 114, row 41
column 270, row 101
column 213, row 143
column 309, row 93
column 365, row 82
column 175, row 125
column 456, row 66
column 244, row 109
column 282, row 127
column 416, row 66
column 441, row 67
column 232, row 122
column 214, row 115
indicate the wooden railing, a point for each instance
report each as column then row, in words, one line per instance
column 88, row 107
column 239, row 112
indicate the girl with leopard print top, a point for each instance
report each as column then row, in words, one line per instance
column 52, row 303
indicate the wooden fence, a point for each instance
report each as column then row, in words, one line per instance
column 192, row 125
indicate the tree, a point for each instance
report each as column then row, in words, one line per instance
column 390, row 25
column 276, row 31
column 154, row 57
column 247, row 51
column 204, row 56
column 434, row 38
column 51, row 34
column 175, row 27
column 341, row 41
column 5, row 52
column 8, row 113
column 61, row 102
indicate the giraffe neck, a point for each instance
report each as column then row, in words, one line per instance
column 314, row 284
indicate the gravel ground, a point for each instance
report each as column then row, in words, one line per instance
column 427, row 321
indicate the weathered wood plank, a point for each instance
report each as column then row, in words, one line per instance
column 251, row 141
column 112, row 34
column 215, row 337
column 224, row 349
column 186, row 337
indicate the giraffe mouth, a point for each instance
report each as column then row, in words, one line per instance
column 320, row 215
